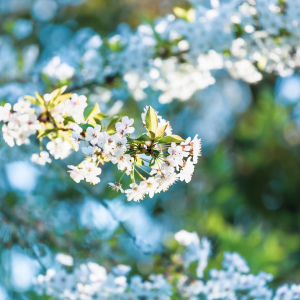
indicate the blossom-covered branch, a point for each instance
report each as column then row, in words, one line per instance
column 179, row 53
column 234, row 281
column 154, row 158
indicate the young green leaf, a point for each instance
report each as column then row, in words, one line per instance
column 59, row 99
column 90, row 111
column 152, row 162
column 58, row 92
column 144, row 137
column 40, row 98
column 33, row 100
column 141, row 140
column 85, row 126
column 3, row 102
column 68, row 120
column 139, row 161
column 161, row 130
column 170, row 139
column 111, row 128
column 151, row 119
column 152, row 135
column 46, row 132
column 98, row 117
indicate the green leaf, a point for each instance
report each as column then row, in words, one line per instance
column 161, row 130
column 3, row 102
column 59, row 99
column 68, row 120
column 141, row 140
column 151, row 119
column 33, row 100
column 156, row 153
column 40, row 98
column 152, row 162
column 58, row 92
column 152, row 135
column 85, row 126
column 98, row 117
column 132, row 175
column 111, row 128
column 144, row 138
column 170, row 139
column 90, row 111
column 139, row 161
column 97, row 121
column 46, row 132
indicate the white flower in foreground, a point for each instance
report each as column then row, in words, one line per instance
column 104, row 139
column 90, row 172
column 59, row 148
column 135, row 192
column 76, row 174
column 196, row 143
column 76, row 135
column 5, row 112
column 175, row 150
column 124, row 161
column 47, row 97
column 149, row 186
column 22, row 106
column 7, row 136
column 187, row 171
column 120, row 142
column 75, row 107
column 41, row 159
column 116, row 187
column 93, row 134
column 124, row 127
column 165, row 181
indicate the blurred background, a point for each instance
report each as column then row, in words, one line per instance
column 244, row 195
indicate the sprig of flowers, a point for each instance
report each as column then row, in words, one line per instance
column 154, row 158
column 234, row 281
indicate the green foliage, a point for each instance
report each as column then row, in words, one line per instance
column 170, row 139
column 151, row 120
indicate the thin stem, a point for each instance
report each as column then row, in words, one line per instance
column 145, row 160
column 144, row 170
column 139, row 173
column 140, row 132
column 122, row 176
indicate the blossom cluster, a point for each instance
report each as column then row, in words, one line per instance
column 20, row 122
column 185, row 49
column 177, row 55
column 154, row 159
column 233, row 281
column 92, row 281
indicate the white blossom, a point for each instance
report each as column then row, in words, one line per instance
column 42, row 158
